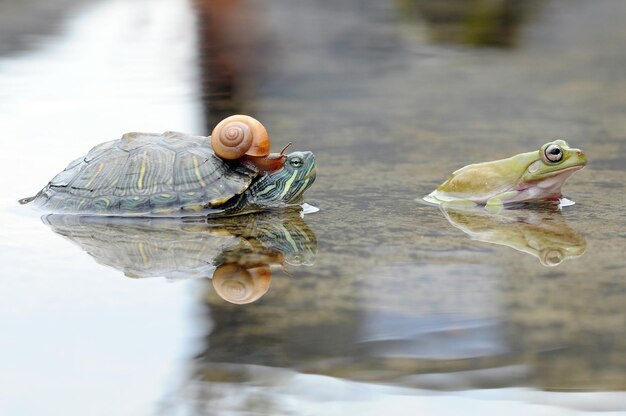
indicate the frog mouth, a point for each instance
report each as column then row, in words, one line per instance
column 556, row 178
column 568, row 170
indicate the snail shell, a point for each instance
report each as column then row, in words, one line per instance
column 239, row 285
column 240, row 135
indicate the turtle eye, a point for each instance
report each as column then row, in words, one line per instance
column 296, row 162
column 553, row 153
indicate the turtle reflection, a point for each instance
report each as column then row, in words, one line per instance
column 238, row 253
column 541, row 231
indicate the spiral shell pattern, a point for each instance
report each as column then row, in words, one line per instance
column 238, row 285
column 240, row 135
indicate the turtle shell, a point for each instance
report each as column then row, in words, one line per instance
column 146, row 174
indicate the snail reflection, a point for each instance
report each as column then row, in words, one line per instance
column 239, row 254
column 541, row 232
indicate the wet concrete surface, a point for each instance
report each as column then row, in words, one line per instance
column 398, row 294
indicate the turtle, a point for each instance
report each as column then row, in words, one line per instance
column 174, row 174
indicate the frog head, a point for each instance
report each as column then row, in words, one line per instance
column 555, row 162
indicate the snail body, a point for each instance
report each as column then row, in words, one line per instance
column 244, row 138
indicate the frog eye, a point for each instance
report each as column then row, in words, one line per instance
column 553, row 153
column 552, row 257
column 296, row 162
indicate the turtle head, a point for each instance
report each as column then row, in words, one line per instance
column 287, row 184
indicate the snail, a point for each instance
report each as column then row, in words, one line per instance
column 244, row 138
column 240, row 285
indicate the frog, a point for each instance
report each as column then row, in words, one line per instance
column 526, row 177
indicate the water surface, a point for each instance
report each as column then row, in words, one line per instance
column 390, row 305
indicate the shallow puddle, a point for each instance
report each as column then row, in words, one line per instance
column 375, row 303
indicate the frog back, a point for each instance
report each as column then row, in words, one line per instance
column 479, row 182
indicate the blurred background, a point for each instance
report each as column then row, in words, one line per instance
column 376, row 303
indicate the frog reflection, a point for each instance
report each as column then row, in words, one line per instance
column 479, row 23
column 237, row 253
column 541, row 232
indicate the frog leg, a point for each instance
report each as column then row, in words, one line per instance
column 496, row 202
column 458, row 204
